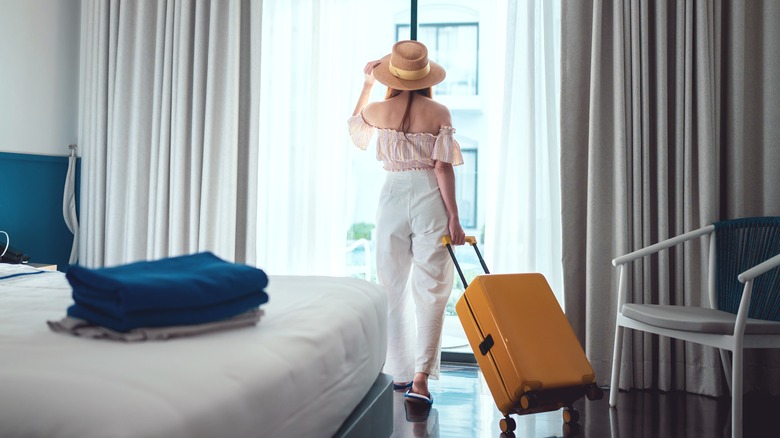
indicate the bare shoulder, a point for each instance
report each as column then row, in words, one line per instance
column 440, row 113
column 370, row 113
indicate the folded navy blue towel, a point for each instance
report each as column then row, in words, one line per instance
column 191, row 289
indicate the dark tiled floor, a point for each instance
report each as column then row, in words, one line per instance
column 463, row 407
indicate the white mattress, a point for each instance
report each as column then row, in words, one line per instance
column 299, row 372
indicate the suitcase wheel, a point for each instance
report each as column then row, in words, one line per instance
column 593, row 392
column 528, row 400
column 570, row 430
column 570, row 415
column 507, row 424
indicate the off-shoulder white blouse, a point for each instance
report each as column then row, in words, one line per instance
column 413, row 151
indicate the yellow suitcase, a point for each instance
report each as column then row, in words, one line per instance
column 525, row 347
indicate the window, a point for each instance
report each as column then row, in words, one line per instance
column 466, row 188
column 455, row 47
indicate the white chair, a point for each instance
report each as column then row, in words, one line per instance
column 740, row 251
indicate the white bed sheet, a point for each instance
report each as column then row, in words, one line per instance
column 299, row 372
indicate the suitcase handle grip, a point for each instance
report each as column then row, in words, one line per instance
column 447, row 241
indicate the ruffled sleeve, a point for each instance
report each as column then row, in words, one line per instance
column 360, row 131
column 446, row 147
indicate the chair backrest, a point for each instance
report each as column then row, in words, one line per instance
column 740, row 245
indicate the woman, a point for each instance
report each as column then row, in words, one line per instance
column 416, row 207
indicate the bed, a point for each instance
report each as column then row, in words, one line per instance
column 311, row 367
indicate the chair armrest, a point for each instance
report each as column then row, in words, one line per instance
column 759, row 269
column 664, row 244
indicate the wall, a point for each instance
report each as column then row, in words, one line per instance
column 31, row 206
column 39, row 53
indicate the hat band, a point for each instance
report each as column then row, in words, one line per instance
column 409, row 75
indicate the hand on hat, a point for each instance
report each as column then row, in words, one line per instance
column 369, row 72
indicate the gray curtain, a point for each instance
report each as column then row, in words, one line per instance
column 168, row 129
column 669, row 117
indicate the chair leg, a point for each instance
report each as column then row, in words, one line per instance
column 726, row 362
column 616, row 356
column 736, row 394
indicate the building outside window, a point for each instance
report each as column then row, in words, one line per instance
column 455, row 47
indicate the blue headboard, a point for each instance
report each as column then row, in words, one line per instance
column 31, row 188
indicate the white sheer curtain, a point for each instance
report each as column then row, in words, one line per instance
column 308, row 74
column 167, row 116
column 523, row 220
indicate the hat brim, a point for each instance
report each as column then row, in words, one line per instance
column 383, row 75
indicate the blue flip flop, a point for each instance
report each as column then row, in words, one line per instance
column 413, row 396
column 401, row 386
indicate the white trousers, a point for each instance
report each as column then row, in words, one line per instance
column 411, row 219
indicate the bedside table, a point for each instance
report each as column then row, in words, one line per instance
column 44, row 266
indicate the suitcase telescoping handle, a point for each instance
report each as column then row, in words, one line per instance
column 447, row 241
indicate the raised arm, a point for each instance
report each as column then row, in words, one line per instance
column 368, row 83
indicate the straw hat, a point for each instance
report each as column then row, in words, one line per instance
column 407, row 67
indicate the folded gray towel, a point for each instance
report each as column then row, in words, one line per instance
column 79, row 327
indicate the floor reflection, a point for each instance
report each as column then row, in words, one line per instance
column 646, row 414
column 463, row 407
column 414, row 419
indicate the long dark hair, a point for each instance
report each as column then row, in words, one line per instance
column 405, row 122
